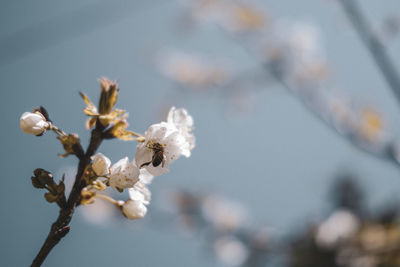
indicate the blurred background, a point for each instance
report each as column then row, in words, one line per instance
column 249, row 73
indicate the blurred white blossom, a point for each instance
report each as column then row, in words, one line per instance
column 231, row 251
column 193, row 70
column 339, row 226
column 233, row 16
column 223, row 214
column 371, row 126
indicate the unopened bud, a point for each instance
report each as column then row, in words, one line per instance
column 34, row 123
column 42, row 178
column 87, row 197
column 108, row 97
column 134, row 209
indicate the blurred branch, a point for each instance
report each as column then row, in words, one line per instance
column 388, row 153
column 314, row 102
column 373, row 43
column 282, row 57
column 60, row 227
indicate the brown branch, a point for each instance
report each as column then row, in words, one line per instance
column 62, row 202
column 60, row 227
column 375, row 46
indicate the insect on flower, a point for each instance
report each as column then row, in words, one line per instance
column 158, row 154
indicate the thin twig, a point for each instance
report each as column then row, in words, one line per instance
column 373, row 43
column 60, row 227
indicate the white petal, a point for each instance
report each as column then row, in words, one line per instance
column 101, row 164
column 145, row 177
column 141, row 193
column 340, row 225
column 159, row 170
column 124, row 174
column 180, row 118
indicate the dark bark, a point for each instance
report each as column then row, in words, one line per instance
column 60, row 227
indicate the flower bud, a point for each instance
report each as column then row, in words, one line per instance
column 108, row 97
column 134, row 209
column 101, row 164
column 33, row 123
column 87, row 196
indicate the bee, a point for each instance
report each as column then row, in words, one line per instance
column 158, row 155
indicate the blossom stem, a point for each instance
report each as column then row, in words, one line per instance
column 57, row 131
column 107, row 198
column 136, row 134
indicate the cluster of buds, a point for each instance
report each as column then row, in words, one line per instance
column 43, row 179
column 108, row 117
column 161, row 145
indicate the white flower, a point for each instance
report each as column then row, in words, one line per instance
column 304, row 41
column 134, row 209
column 194, row 71
column 223, row 214
column 340, row 225
column 140, row 192
column 180, row 118
column 164, row 144
column 184, row 123
column 33, row 123
column 101, row 164
column 124, row 174
column 231, row 251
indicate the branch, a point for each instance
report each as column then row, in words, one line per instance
column 60, row 227
column 374, row 44
column 388, row 153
